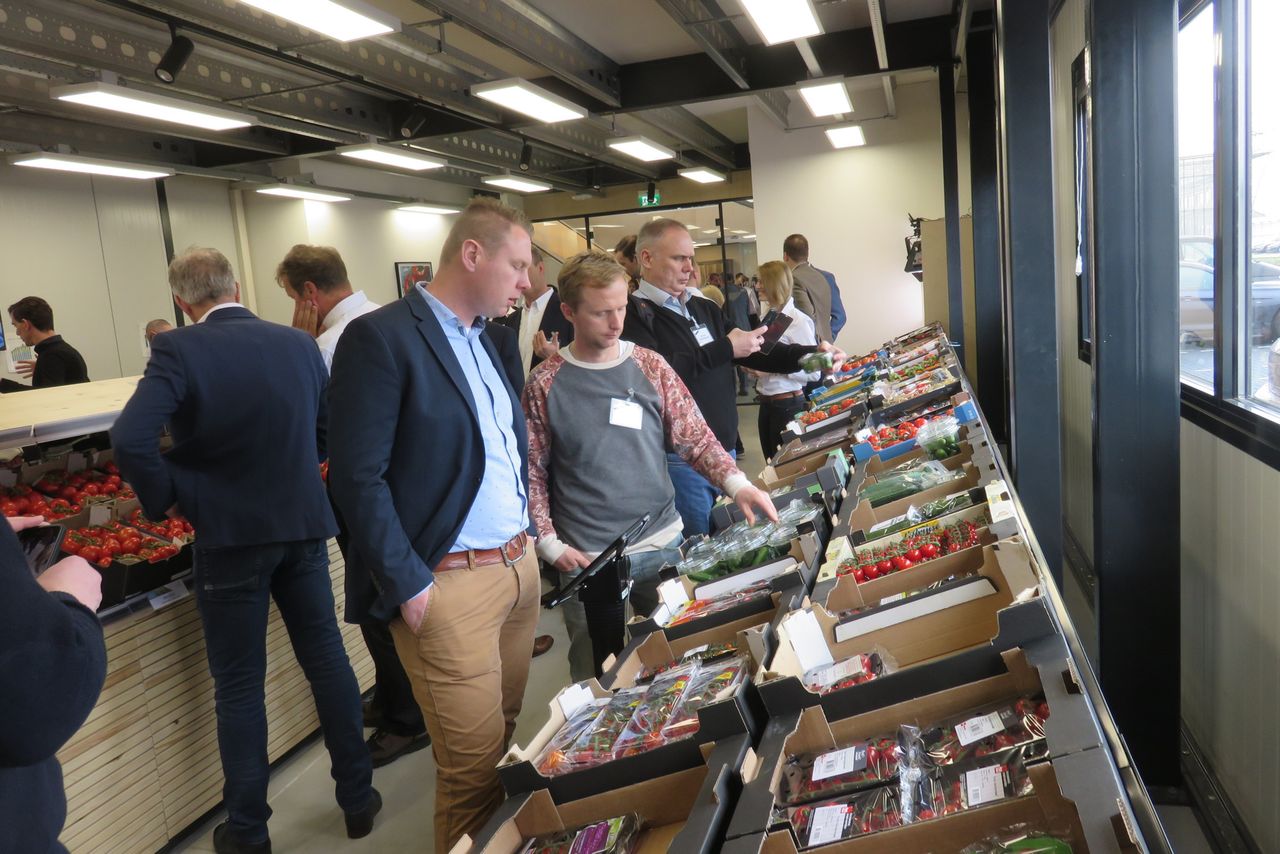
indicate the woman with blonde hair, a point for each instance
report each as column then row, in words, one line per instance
column 782, row 395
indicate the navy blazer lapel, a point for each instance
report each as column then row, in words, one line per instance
column 429, row 327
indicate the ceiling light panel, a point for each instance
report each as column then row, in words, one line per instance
column 523, row 97
column 398, row 158
column 846, row 136
column 641, row 148
column 780, row 21
column 417, row 208
column 826, row 97
column 292, row 192
column 89, row 166
column 164, row 108
column 519, row 185
column 343, row 21
column 702, row 175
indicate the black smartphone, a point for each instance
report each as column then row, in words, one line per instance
column 777, row 323
column 41, row 546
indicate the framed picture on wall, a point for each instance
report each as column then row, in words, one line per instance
column 410, row 273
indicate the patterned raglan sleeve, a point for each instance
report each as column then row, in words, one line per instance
column 686, row 430
column 534, row 402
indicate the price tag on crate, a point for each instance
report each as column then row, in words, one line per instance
column 985, row 785
column 167, row 595
column 99, row 514
column 976, row 729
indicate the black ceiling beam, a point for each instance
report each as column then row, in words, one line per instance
column 922, row 43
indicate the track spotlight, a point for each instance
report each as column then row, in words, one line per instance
column 652, row 192
column 526, row 156
column 413, row 122
column 170, row 65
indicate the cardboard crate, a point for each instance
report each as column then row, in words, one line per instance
column 804, row 447
column 1047, row 808
column 756, row 642
column 1040, row 668
column 823, row 484
column 684, row 812
column 858, row 514
column 713, row 627
column 799, row 568
column 519, row 773
column 1013, row 616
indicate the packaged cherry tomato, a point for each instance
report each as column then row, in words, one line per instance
column 711, row 683
column 852, row 768
column 644, row 730
column 845, row 817
column 929, row 791
column 698, row 655
column 552, row 761
column 855, row 670
column 595, row 745
column 982, row 731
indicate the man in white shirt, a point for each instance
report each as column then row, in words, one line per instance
column 537, row 319
column 315, row 278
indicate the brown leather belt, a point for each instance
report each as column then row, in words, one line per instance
column 509, row 552
column 786, row 395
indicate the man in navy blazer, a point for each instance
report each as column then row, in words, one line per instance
column 244, row 402
column 427, row 464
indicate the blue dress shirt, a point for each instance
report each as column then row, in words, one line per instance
column 501, row 508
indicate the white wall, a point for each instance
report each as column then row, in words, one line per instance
column 852, row 204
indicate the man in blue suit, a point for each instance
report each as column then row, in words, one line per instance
column 244, row 403
column 427, row 464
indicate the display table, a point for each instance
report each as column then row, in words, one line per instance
column 49, row 414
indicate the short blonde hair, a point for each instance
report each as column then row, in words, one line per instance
column 587, row 270
column 486, row 221
column 776, row 282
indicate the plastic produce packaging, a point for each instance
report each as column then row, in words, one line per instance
column 891, row 487
column 595, row 744
column 987, row 730
column 613, row 836
column 552, row 759
column 929, row 791
column 644, row 730
column 848, row 672
column 940, row 438
column 696, row 609
column 832, row 773
column 709, row 684
column 1021, row 839
column 845, row 817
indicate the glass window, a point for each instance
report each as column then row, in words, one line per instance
column 1195, row 195
column 1263, row 170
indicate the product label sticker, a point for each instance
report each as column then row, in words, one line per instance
column 697, row 649
column 896, row 597
column 702, row 334
column 167, row 595
column 985, row 785
column 807, row 641
column 843, row 670
column 829, row 824
column 976, row 729
column 838, row 762
column 99, row 514
column 673, row 594
column 625, row 413
column 880, row 526
column 574, row 698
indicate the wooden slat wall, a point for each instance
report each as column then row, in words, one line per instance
column 145, row 765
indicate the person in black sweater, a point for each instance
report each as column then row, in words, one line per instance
column 53, row 661
column 58, row 363
column 666, row 315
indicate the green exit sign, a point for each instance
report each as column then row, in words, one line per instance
column 646, row 202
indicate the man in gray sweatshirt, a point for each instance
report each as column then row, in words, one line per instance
column 602, row 414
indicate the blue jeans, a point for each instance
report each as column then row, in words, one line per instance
column 694, row 495
column 233, row 589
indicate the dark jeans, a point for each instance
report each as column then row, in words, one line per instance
column 393, row 694
column 774, row 415
column 233, row 589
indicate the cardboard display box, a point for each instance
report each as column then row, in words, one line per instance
column 1012, row 616
column 713, row 627
column 824, row 484
column 1048, row 809
column 757, row 642
column 861, row 515
column 808, row 463
column 797, row 448
column 1042, row 668
column 684, row 812
column 798, row 568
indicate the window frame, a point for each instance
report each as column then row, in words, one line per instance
column 1226, row 409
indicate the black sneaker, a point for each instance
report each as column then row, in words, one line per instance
column 225, row 842
column 386, row 747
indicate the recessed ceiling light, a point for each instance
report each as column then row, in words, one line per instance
column 826, row 97
column 291, row 191
column 738, row 231
column 343, row 20
column 520, row 185
column 702, row 175
column 846, row 136
column 422, row 208
column 522, row 96
column 748, row 237
column 596, row 225
column 89, row 166
column 386, row 155
column 641, row 148
column 783, row 20
column 164, row 108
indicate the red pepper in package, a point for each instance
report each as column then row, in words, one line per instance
column 815, row 776
column 860, row 668
column 844, row 818
column 644, row 730
column 709, row 684
column 981, row 732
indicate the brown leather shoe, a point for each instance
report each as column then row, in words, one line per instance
column 386, row 747
column 541, row 644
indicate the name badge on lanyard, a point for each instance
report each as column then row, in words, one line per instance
column 702, row 334
column 625, row 413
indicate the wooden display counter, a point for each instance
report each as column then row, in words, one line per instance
column 145, row 765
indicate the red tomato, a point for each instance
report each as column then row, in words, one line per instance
column 90, row 553
column 913, row 555
column 92, row 489
column 70, row 547
column 8, row 508
column 900, row 562
column 885, row 566
column 103, row 562
column 70, row 493
column 929, row 550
